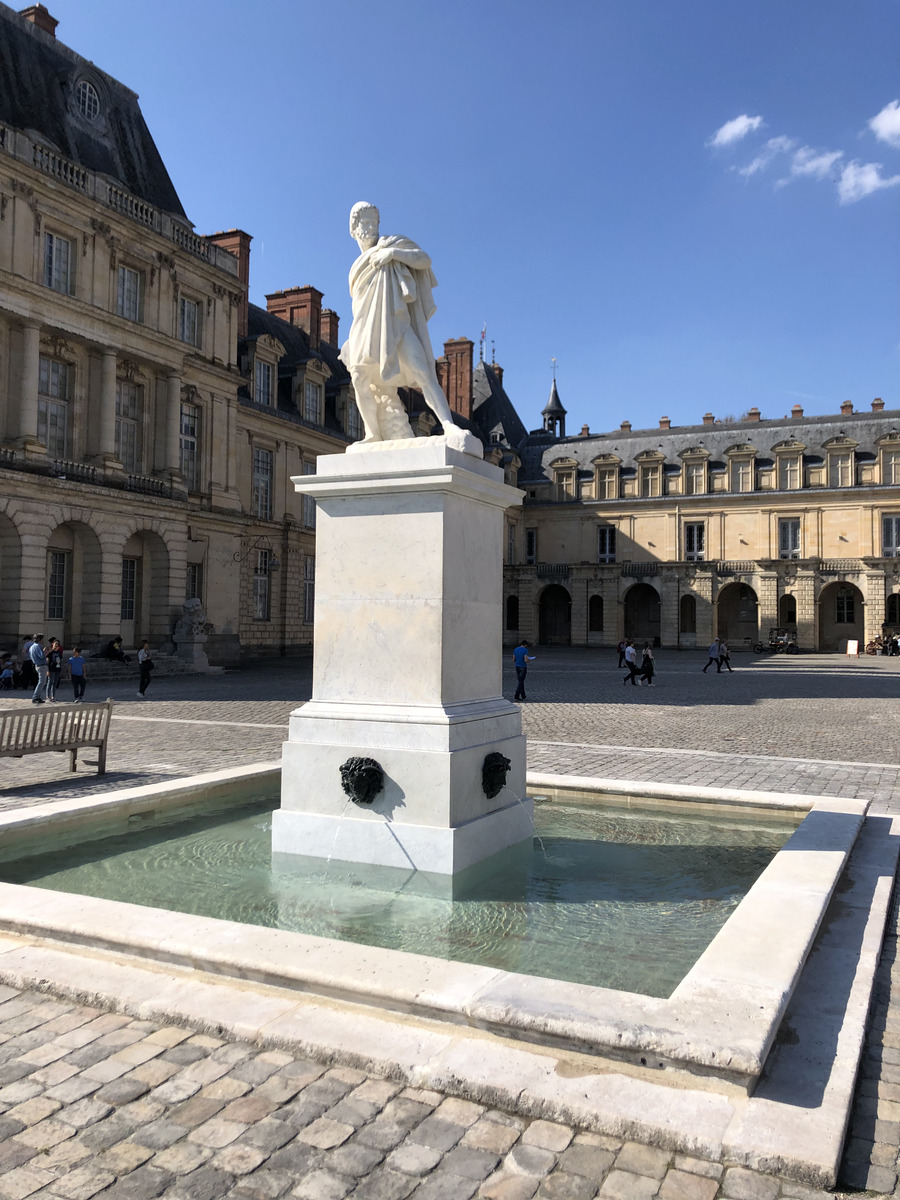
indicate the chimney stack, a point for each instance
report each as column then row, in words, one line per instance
column 753, row 414
column 847, row 408
column 878, row 405
column 456, row 377
column 709, row 419
column 330, row 323
column 237, row 242
column 39, row 16
column 665, row 423
column 498, row 372
column 625, row 427
column 797, row 411
column 300, row 306
column 585, row 432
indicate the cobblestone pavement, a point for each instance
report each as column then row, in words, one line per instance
column 96, row 1103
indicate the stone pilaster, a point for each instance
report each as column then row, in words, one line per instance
column 668, row 609
column 173, row 426
column 875, row 604
column 767, row 595
column 106, row 434
column 28, row 400
column 804, row 589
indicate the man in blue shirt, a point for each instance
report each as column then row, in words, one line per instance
column 36, row 654
column 521, row 658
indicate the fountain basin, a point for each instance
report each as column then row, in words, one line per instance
column 720, row 1021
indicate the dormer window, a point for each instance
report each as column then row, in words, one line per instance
column 741, row 465
column 650, row 474
column 694, row 481
column 840, row 469
column 87, row 99
column 564, row 478
column 789, row 472
column 606, row 477
column 262, row 393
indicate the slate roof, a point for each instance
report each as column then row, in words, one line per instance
column 554, row 404
column 298, row 351
column 492, row 409
column 538, row 450
column 38, row 77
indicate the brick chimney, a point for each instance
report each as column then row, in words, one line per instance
column 709, row 419
column 665, row 423
column 585, row 432
column 330, row 322
column 236, row 242
column 498, row 372
column 300, row 306
column 39, row 16
column 753, row 414
column 797, row 411
column 847, row 408
column 456, row 376
column 625, row 427
column 878, row 405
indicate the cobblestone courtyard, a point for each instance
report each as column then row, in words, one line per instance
column 95, row 1103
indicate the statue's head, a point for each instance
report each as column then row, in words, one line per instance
column 494, row 770
column 364, row 221
column 362, row 779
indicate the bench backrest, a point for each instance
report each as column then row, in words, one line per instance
column 81, row 725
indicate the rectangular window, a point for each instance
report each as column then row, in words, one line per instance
column 189, row 446
column 694, row 541
column 891, row 537
column 845, row 609
column 263, row 391
column 128, row 418
column 789, row 473
column 53, row 406
column 742, row 475
column 565, row 485
column 309, row 504
column 789, row 539
column 649, row 481
column 261, row 586
column 694, row 478
column 354, row 424
column 890, row 462
column 59, row 258
column 129, row 588
column 193, row 587
column 57, row 584
column 263, row 470
column 531, row 545
column 189, row 321
column 608, row 483
column 130, row 294
column 309, row 588
column 511, row 544
column 312, row 395
column 606, row 543
column 840, row 470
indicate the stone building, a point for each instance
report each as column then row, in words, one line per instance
column 150, row 418
column 727, row 528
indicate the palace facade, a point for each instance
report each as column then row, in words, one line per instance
column 150, row 418
column 728, row 528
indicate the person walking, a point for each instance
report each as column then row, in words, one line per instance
column 621, row 648
column 27, row 671
column 54, row 668
column 39, row 662
column 647, row 664
column 725, row 656
column 76, row 666
column 630, row 663
column 521, row 658
column 145, row 665
column 714, row 657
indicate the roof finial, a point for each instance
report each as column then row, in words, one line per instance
column 553, row 360
column 481, row 345
column 493, row 354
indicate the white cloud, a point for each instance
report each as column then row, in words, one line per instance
column 818, row 165
column 772, row 148
column 861, row 179
column 733, row 131
column 886, row 125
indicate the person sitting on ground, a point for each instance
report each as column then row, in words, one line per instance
column 6, row 673
column 115, row 652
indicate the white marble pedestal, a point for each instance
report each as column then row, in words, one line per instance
column 407, row 669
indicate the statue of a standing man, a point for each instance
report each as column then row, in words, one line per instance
column 388, row 346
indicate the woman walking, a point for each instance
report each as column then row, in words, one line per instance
column 145, row 664
column 648, row 666
column 724, row 656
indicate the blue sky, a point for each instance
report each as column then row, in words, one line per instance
column 692, row 206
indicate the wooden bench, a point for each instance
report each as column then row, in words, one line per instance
column 56, row 727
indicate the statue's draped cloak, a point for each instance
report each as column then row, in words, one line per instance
column 389, row 301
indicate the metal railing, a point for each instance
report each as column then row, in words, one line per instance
column 64, row 469
column 553, row 570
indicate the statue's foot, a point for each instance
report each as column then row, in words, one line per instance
column 460, row 439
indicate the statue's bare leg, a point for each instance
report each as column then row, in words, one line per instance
column 365, row 388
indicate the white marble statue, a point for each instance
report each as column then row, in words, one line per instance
column 388, row 346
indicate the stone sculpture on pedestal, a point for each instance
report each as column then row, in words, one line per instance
column 388, row 346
